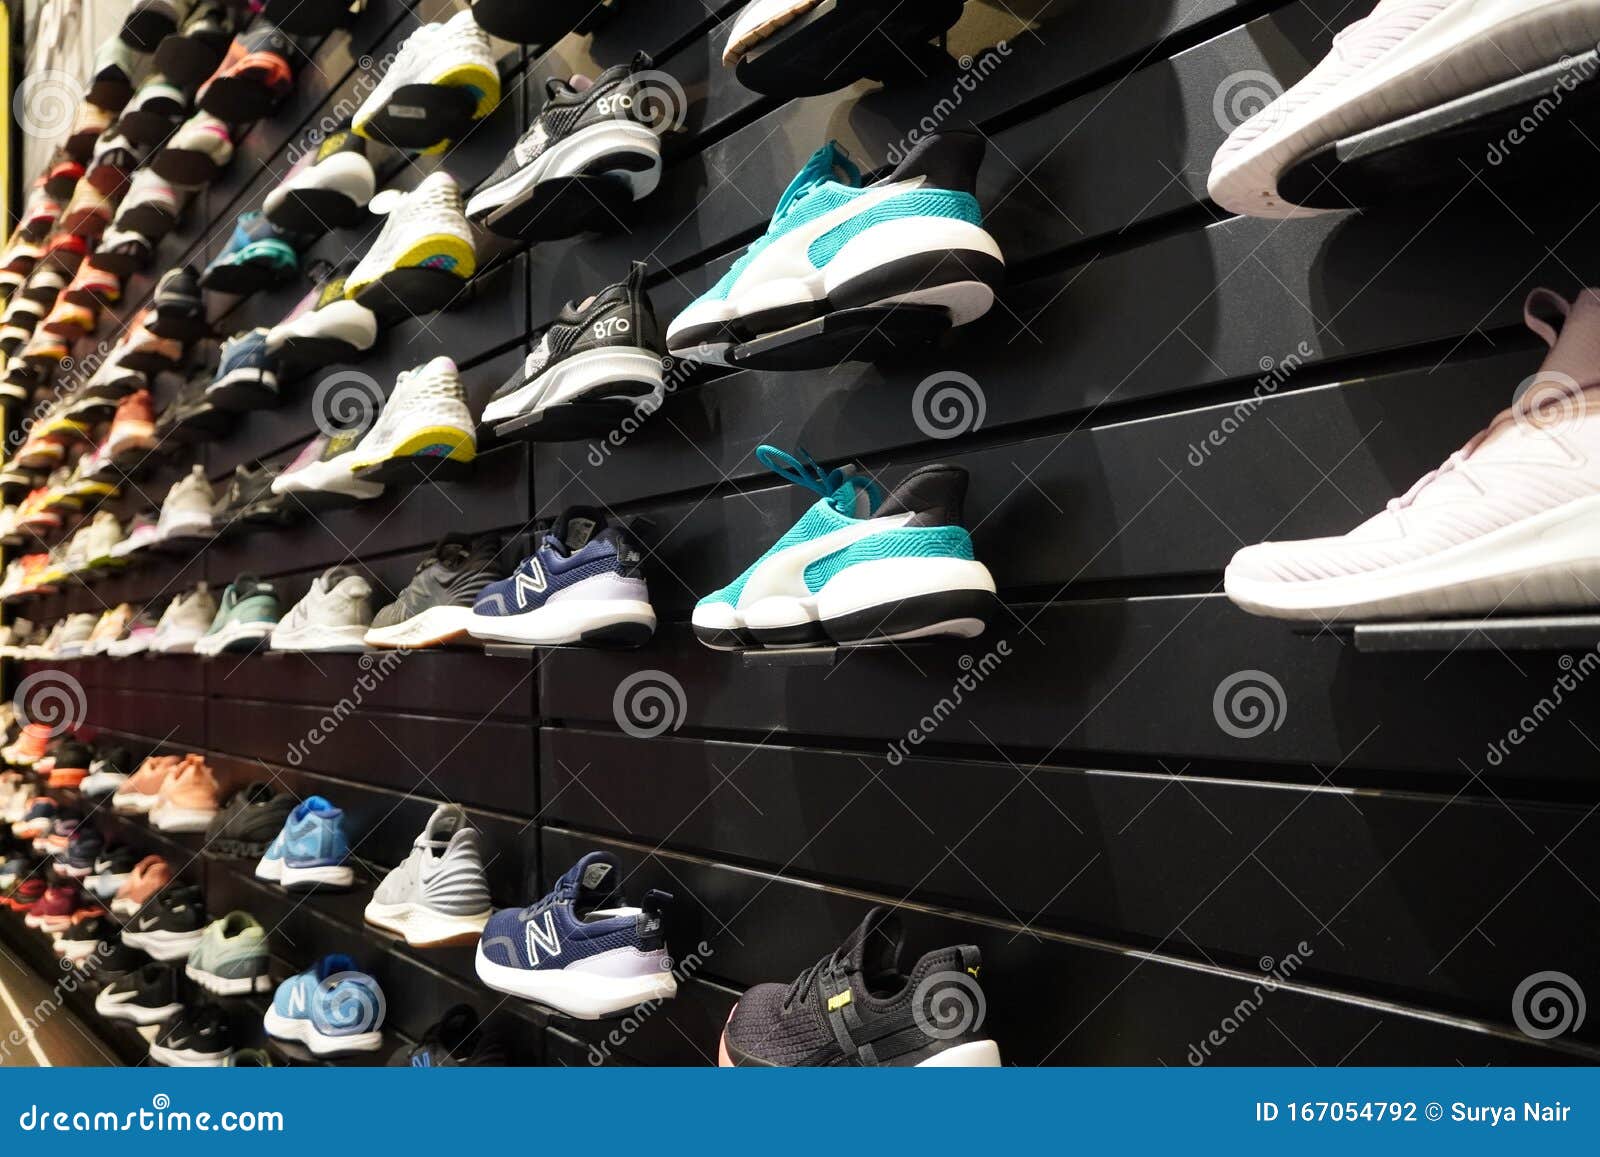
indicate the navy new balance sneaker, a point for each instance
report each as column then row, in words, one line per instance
column 582, row 585
column 581, row 950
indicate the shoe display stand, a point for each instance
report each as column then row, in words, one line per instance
column 1064, row 791
column 1567, row 634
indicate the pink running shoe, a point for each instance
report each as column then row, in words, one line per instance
column 1510, row 523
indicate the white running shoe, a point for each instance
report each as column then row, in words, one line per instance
column 187, row 511
column 321, row 473
column 1407, row 56
column 439, row 895
column 333, row 616
column 422, row 255
column 415, row 105
column 424, row 425
column 327, row 189
column 187, row 619
column 1510, row 523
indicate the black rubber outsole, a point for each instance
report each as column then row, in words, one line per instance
column 563, row 207
column 121, row 265
column 315, row 211
column 571, row 421
column 317, row 501
column 204, row 425
column 148, row 364
column 303, row 354
column 862, row 628
column 145, row 30
column 185, row 166
column 421, row 116
column 149, row 126
column 414, row 471
column 403, row 293
column 148, row 220
column 183, row 324
column 245, row 279
column 238, row 99
column 61, row 187
column 523, row 23
column 843, row 41
column 111, row 93
column 302, row 18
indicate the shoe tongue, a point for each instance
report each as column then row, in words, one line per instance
column 314, row 804
column 1575, row 347
column 593, row 882
column 576, row 527
column 333, row 964
column 874, row 948
column 829, row 163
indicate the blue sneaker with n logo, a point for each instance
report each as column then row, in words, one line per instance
column 857, row 567
column 311, row 851
column 331, row 1008
column 581, row 950
column 835, row 245
column 582, row 585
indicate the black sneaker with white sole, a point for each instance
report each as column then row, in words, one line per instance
column 593, row 150
column 854, row 1007
column 146, row 996
column 112, row 959
column 597, row 363
column 200, row 1038
column 179, row 308
column 170, row 925
column 249, row 822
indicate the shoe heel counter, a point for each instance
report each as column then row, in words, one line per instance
column 651, row 924
column 934, row 496
column 949, row 160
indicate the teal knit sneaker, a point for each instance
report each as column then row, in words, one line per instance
column 857, row 567
column 245, row 617
column 839, row 254
column 231, row 958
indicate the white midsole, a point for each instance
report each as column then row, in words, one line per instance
column 880, row 582
column 302, row 1030
column 269, row 870
column 327, row 478
column 573, row 155
column 333, row 875
column 137, row 1013
column 346, row 321
column 422, row 926
column 978, row 1054
column 586, row 996
column 163, row 945
column 559, row 623
column 228, row 985
column 187, row 1058
column 322, row 639
column 430, row 626
column 193, row 524
column 577, row 376
column 233, row 633
column 1469, row 46
column 1550, row 561
column 179, row 819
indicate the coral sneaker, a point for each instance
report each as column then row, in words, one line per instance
column 256, row 74
column 189, row 798
column 141, row 791
column 134, row 427
column 92, row 286
column 148, row 877
column 1510, row 523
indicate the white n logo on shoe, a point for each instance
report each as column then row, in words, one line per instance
column 544, row 938
column 530, row 581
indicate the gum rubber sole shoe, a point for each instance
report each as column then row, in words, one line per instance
column 1402, row 59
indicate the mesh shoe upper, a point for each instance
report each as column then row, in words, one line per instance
column 454, row 574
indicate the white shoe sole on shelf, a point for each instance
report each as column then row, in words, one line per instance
column 304, row 1032
column 432, row 628
column 321, row 876
column 562, row 623
column 1469, row 46
column 228, row 985
column 133, row 1013
column 164, row 946
column 587, row 376
column 179, row 819
column 423, row 927
column 187, row 1058
column 1549, row 562
column 585, row 152
column 322, row 640
column 584, row 995
column 232, row 635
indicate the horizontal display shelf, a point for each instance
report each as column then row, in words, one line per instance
column 1562, row 633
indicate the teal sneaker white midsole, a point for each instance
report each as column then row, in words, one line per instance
column 882, row 600
column 930, row 261
column 234, row 635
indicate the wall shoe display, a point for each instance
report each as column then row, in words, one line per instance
column 311, row 19
column 848, row 271
column 311, row 851
column 178, row 308
column 858, row 567
column 111, row 870
column 595, row 365
column 149, row 21
column 249, row 500
column 855, row 1007
column 424, row 430
column 332, row 1008
column 592, row 151
column 327, row 189
column 422, row 256
column 147, row 879
column 245, row 618
column 439, row 894
column 547, row 952
column 140, row 792
column 247, row 374
column 157, row 107
column 1397, row 61
column 187, row 511
column 333, row 616
column 123, row 251
column 192, row 53
column 231, row 958
column 197, row 1038
column 459, row 1040
column 436, row 606
column 583, row 585
column 442, row 80
column 1511, row 522
column 146, row 996
column 111, row 74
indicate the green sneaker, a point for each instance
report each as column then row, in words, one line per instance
column 245, row 617
column 231, row 958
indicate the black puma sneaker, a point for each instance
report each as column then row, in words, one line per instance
column 598, row 361
column 855, row 1007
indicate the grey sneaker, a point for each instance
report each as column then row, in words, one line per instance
column 231, row 958
column 439, row 895
column 333, row 616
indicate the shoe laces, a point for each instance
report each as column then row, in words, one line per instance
column 834, row 964
column 838, row 486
